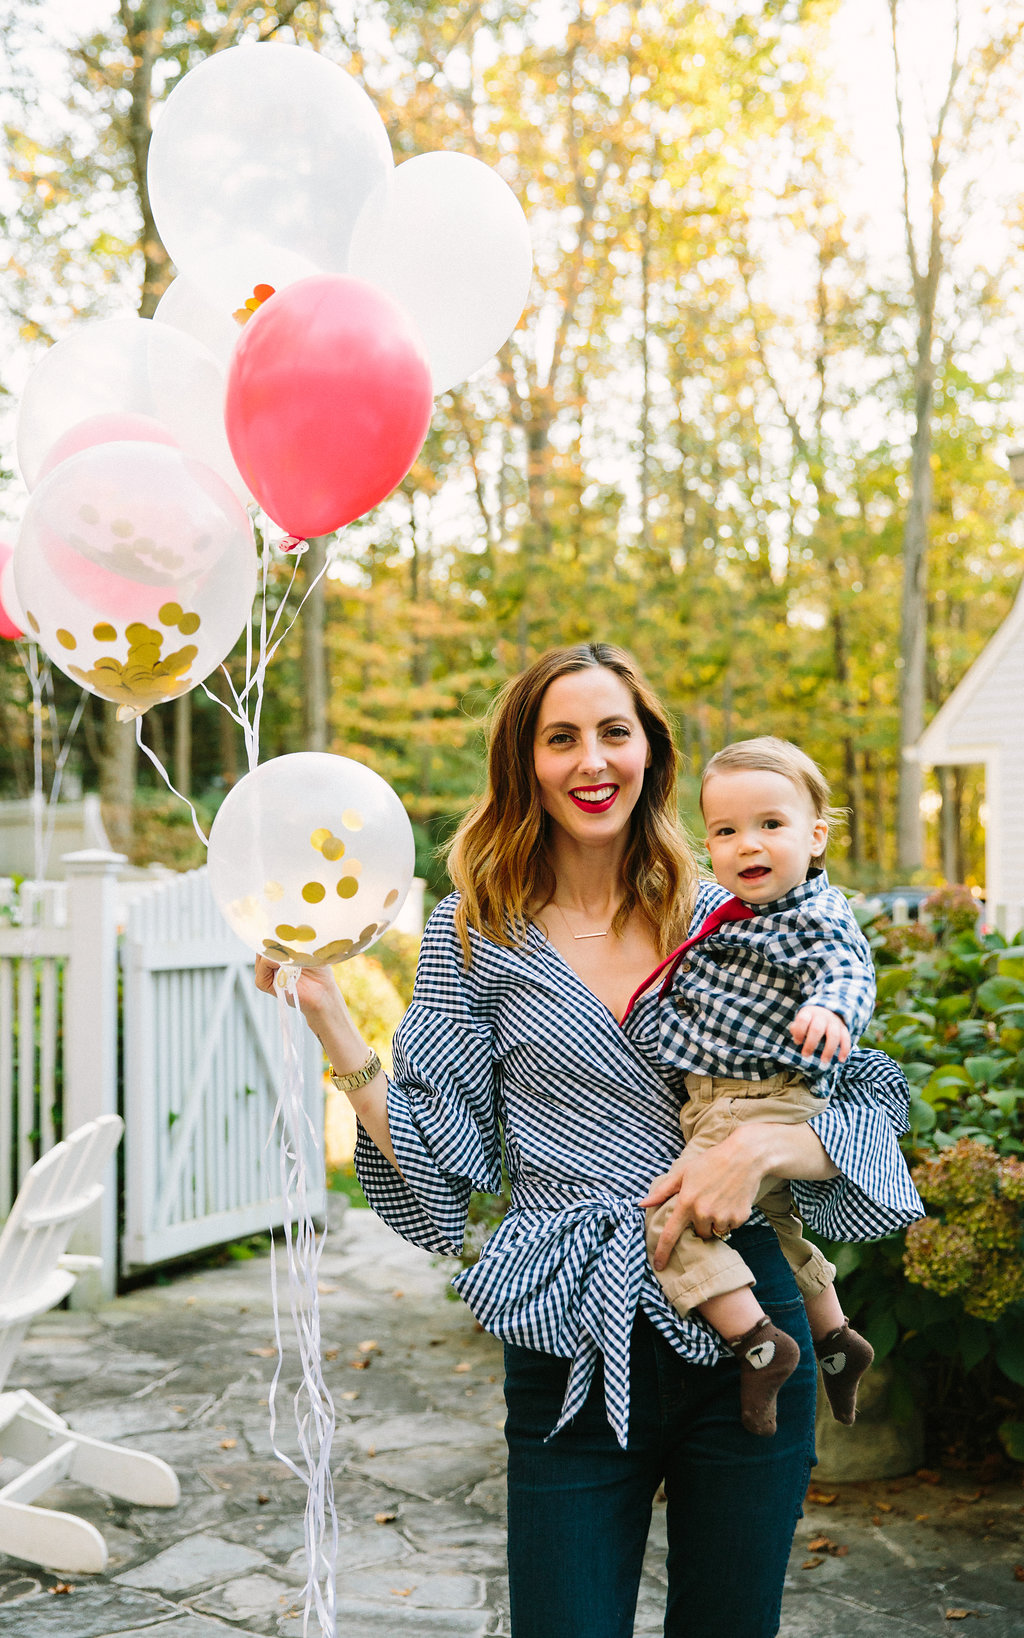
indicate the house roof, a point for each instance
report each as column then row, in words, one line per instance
column 944, row 739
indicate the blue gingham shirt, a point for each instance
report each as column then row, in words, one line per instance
column 518, row 1046
column 736, row 992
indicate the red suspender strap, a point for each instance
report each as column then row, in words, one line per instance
column 732, row 910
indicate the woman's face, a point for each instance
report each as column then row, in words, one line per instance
column 589, row 754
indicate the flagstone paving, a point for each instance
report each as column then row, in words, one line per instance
column 183, row 1370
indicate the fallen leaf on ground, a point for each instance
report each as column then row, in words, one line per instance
column 384, row 1518
column 811, row 1563
column 263, row 1353
column 228, row 1444
column 822, row 1497
column 62, row 1587
column 921, row 1518
column 959, row 1615
column 825, row 1544
column 367, row 1347
column 326, row 1290
column 371, row 1450
column 884, row 1507
column 262, row 1500
column 401, row 1592
column 1018, row 1572
column 463, row 1365
column 398, row 1293
column 352, row 1393
column 331, row 1353
column 927, row 1475
column 359, row 1364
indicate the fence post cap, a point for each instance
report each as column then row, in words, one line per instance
column 93, row 861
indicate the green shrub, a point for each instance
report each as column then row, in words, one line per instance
column 945, row 1300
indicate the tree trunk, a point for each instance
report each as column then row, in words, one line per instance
column 313, row 622
column 119, row 755
column 925, row 275
column 914, row 604
column 143, row 27
column 949, row 826
column 183, row 744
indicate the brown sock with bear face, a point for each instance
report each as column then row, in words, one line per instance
column 844, row 1355
column 767, row 1357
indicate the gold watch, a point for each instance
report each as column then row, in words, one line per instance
column 357, row 1077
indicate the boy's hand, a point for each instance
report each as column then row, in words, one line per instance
column 816, row 1026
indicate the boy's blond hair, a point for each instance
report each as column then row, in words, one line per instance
column 767, row 754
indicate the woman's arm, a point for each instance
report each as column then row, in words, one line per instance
column 716, row 1188
column 323, row 1007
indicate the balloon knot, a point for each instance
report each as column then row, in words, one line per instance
column 292, row 543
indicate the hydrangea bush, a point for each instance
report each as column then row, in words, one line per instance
column 946, row 1300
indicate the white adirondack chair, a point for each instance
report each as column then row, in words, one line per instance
column 35, row 1274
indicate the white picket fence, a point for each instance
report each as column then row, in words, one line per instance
column 197, row 1076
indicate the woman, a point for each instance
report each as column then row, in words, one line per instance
column 574, row 880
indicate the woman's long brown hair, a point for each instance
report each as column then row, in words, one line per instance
column 498, row 857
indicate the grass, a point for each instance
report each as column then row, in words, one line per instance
column 343, row 1180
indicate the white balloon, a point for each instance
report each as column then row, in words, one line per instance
column 453, row 248
column 136, row 570
column 184, row 307
column 310, row 858
column 134, row 366
column 271, row 144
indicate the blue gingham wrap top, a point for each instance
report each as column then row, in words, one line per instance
column 517, row 1049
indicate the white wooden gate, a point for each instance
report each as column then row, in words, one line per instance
column 203, row 1067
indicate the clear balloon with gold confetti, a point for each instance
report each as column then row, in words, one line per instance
column 310, row 858
column 136, row 571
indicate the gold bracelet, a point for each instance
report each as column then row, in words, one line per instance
column 357, row 1077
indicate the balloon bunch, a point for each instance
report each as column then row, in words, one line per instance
column 323, row 299
column 362, row 290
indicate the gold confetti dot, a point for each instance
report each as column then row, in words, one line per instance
column 279, row 950
column 122, row 527
column 65, row 639
column 88, row 514
column 319, row 837
column 304, row 934
column 188, row 624
column 392, row 896
column 170, row 614
column 104, row 633
column 368, row 932
column 333, row 848
column 285, row 931
column 313, row 892
column 348, row 887
column 138, row 632
column 340, row 950
column 352, row 819
column 33, row 622
column 273, row 891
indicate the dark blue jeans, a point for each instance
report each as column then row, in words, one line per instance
column 579, row 1508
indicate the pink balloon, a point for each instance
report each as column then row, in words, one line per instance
column 105, row 429
column 7, row 627
column 328, row 402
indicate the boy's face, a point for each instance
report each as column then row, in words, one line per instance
column 762, row 832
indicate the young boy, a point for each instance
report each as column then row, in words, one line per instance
column 753, row 996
